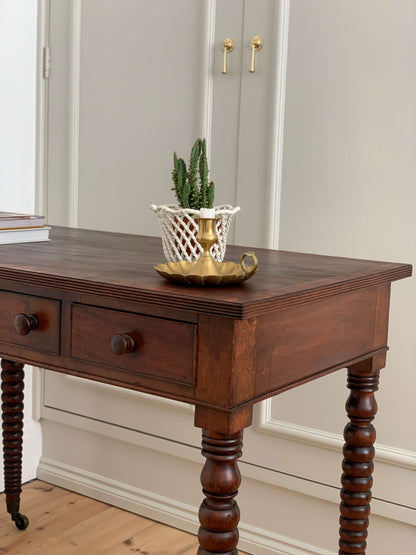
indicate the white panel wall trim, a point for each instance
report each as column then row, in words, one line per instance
column 323, row 492
column 41, row 161
column 124, row 434
column 138, row 395
column 169, row 447
column 207, row 73
column 278, row 127
column 41, row 165
column 164, row 509
column 327, row 440
column 123, row 408
column 266, row 86
column 38, row 380
column 71, row 186
column 75, row 65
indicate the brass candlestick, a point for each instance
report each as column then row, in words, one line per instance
column 206, row 270
column 206, row 237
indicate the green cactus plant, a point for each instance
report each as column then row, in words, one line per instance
column 189, row 193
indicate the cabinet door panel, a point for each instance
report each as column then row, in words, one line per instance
column 131, row 83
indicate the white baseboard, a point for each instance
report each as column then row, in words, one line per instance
column 163, row 509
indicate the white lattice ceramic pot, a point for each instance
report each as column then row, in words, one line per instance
column 179, row 227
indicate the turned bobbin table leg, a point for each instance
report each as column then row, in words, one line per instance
column 12, row 385
column 358, row 464
column 220, row 478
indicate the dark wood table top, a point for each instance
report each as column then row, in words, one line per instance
column 121, row 266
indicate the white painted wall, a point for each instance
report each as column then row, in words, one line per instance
column 349, row 172
column 349, row 189
column 18, row 21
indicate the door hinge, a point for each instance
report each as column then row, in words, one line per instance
column 46, row 62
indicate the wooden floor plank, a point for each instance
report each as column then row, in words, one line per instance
column 162, row 540
column 65, row 523
column 31, row 491
column 49, row 522
column 96, row 534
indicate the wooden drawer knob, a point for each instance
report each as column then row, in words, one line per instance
column 122, row 344
column 25, row 323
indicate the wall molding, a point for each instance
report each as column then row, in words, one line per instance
column 188, row 452
column 278, row 126
column 41, row 162
column 37, row 392
column 326, row 440
column 74, row 116
column 207, row 74
column 177, row 406
column 42, row 100
column 164, row 509
column 154, row 442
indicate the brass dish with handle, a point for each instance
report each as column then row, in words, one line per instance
column 206, row 271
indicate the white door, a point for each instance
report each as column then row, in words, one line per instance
column 132, row 81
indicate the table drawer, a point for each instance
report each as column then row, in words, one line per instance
column 46, row 314
column 160, row 348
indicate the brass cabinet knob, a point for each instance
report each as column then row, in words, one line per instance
column 122, row 344
column 25, row 323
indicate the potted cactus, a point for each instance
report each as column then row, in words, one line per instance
column 189, row 193
column 195, row 196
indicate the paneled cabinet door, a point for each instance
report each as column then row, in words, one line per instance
column 130, row 82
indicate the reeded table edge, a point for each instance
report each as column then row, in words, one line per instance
column 217, row 307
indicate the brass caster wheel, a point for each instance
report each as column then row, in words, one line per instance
column 21, row 521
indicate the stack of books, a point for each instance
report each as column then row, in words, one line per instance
column 22, row 228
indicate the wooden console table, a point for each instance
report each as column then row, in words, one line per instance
column 90, row 304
